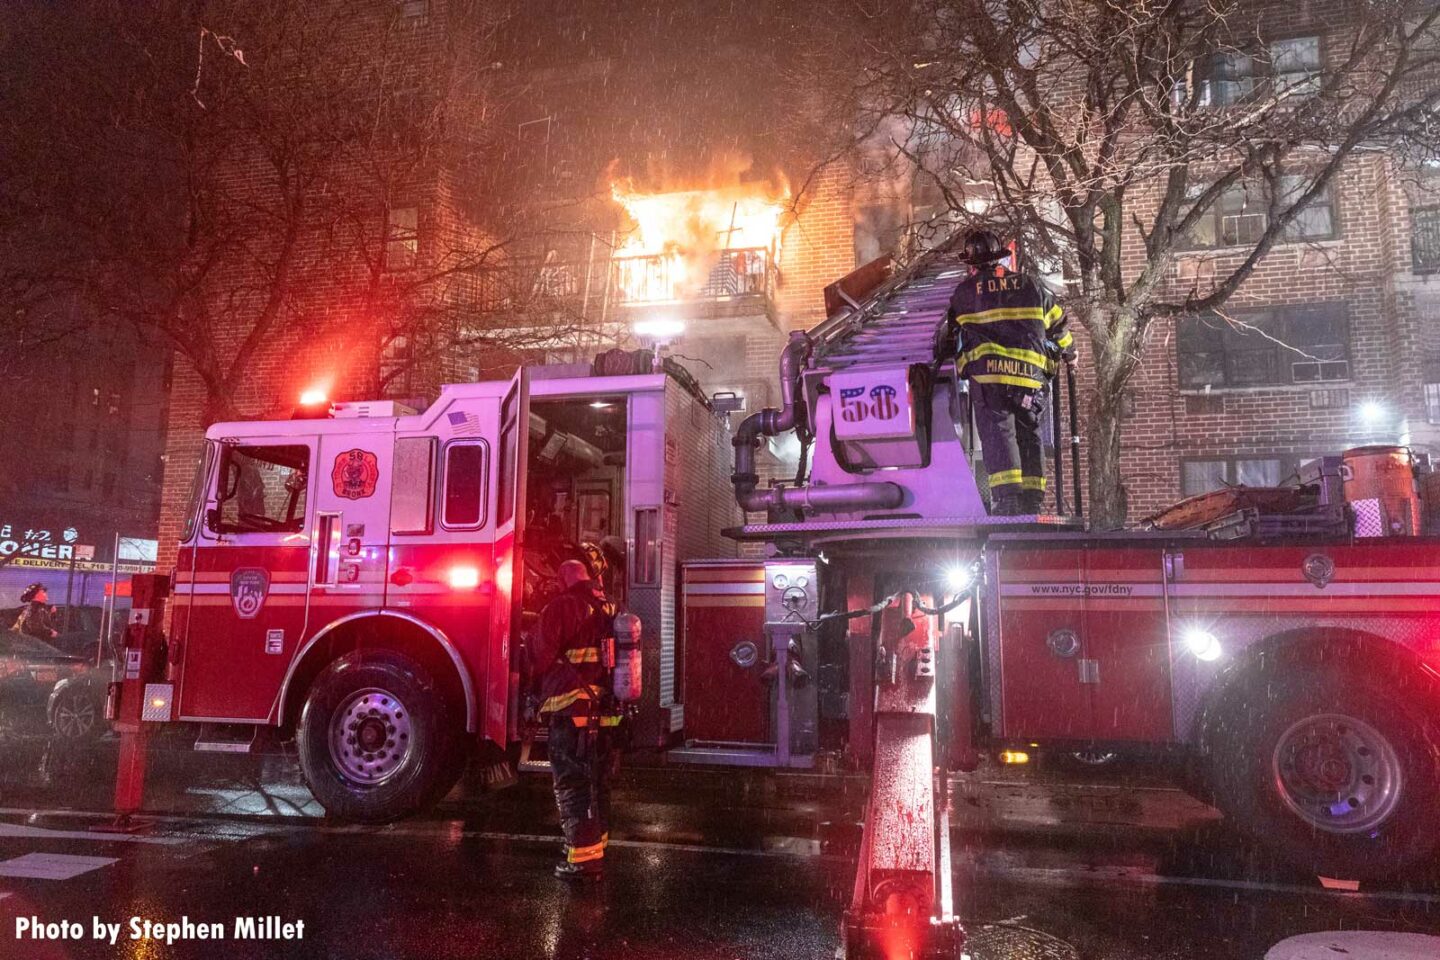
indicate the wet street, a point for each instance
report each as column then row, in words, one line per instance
column 703, row 866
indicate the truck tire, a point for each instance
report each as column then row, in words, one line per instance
column 1338, row 774
column 376, row 738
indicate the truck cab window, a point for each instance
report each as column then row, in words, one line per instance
column 413, row 492
column 192, row 496
column 263, row 489
column 465, row 484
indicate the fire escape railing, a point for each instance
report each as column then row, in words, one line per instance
column 611, row 282
column 660, row 278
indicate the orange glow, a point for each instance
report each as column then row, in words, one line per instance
column 1014, row 756
column 314, row 396
column 464, row 578
column 687, row 229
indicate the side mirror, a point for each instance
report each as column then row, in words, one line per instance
column 212, row 519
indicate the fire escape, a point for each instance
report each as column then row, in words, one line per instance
column 581, row 296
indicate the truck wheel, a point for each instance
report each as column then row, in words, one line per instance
column 1339, row 775
column 375, row 738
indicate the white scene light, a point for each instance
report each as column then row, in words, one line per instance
column 1371, row 411
column 661, row 328
column 1203, row 644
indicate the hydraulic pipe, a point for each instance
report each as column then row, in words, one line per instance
column 1074, row 440
column 835, row 498
column 1055, row 448
column 770, row 422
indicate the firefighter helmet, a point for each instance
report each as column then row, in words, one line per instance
column 31, row 592
column 983, row 247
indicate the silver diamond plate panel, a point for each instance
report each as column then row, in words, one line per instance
column 159, row 698
column 1369, row 518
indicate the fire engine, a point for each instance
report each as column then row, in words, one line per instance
column 365, row 580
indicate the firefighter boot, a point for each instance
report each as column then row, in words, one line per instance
column 589, row 870
column 1005, row 503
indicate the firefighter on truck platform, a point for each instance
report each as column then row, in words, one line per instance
column 1010, row 334
column 571, row 660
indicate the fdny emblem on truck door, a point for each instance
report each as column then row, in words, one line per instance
column 355, row 474
column 249, row 586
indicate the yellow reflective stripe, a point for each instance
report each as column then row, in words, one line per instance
column 1004, row 478
column 585, row 854
column 1065, row 340
column 604, row 721
column 1028, row 382
column 583, row 655
column 1009, row 353
column 1003, row 313
column 1054, row 314
column 562, row 700
column 1033, row 483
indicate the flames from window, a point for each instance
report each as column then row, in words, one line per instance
column 682, row 242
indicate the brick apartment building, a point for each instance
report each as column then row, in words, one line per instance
column 1212, row 404
column 84, row 434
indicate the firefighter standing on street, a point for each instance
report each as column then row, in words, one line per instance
column 569, row 656
column 37, row 618
column 1011, row 332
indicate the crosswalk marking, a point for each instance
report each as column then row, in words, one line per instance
column 20, row 830
column 52, row 866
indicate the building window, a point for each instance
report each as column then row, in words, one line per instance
column 1295, row 66
column 1299, row 343
column 1432, row 402
column 1425, row 239
column 1316, row 220
column 1226, row 78
column 402, row 238
column 1289, row 68
column 1240, row 215
column 1199, row 476
column 397, row 363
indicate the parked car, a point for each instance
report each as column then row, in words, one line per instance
column 46, row 691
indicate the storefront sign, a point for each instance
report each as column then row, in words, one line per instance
column 41, row 544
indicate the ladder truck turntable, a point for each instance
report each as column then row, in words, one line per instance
column 365, row 579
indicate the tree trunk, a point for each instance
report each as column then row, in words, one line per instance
column 1107, row 506
column 1112, row 334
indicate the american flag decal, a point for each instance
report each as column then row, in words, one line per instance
column 884, row 407
column 852, row 406
column 463, row 422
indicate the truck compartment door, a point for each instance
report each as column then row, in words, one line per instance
column 1041, row 637
column 351, row 528
column 1126, row 644
column 727, row 696
column 514, row 449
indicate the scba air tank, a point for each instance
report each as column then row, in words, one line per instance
column 626, row 675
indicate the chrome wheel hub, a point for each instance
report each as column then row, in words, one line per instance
column 370, row 736
column 1337, row 773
